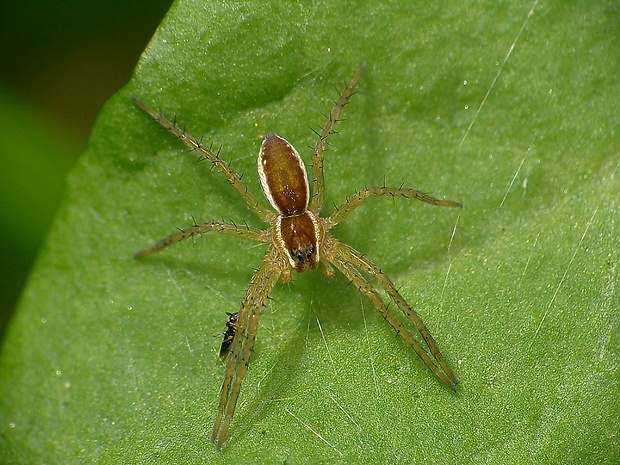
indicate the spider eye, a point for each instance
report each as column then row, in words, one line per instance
column 303, row 255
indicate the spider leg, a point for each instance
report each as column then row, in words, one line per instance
column 261, row 285
column 353, row 202
column 214, row 158
column 349, row 261
column 318, row 191
column 245, row 232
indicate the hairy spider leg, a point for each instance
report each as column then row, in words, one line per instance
column 349, row 260
column 245, row 232
column 318, row 190
column 233, row 178
column 256, row 296
column 362, row 284
column 355, row 201
column 347, row 257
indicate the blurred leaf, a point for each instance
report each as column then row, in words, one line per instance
column 115, row 360
column 35, row 155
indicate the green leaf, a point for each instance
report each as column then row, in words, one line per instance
column 509, row 107
column 33, row 156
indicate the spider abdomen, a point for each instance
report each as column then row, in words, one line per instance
column 283, row 176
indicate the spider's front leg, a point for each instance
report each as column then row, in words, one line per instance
column 351, row 256
column 349, row 261
column 263, row 281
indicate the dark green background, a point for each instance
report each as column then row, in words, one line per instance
column 59, row 62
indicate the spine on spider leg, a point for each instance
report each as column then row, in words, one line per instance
column 318, row 194
column 246, row 232
column 351, row 256
column 256, row 296
column 348, row 268
column 190, row 141
column 206, row 153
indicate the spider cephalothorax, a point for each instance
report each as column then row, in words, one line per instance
column 298, row 238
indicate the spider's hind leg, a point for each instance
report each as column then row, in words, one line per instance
column 318, row 190
column 205, row 153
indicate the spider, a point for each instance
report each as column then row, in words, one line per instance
column 299, row 239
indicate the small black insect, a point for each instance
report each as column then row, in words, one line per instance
column 229, row 335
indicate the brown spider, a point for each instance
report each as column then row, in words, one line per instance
column 298, row 238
